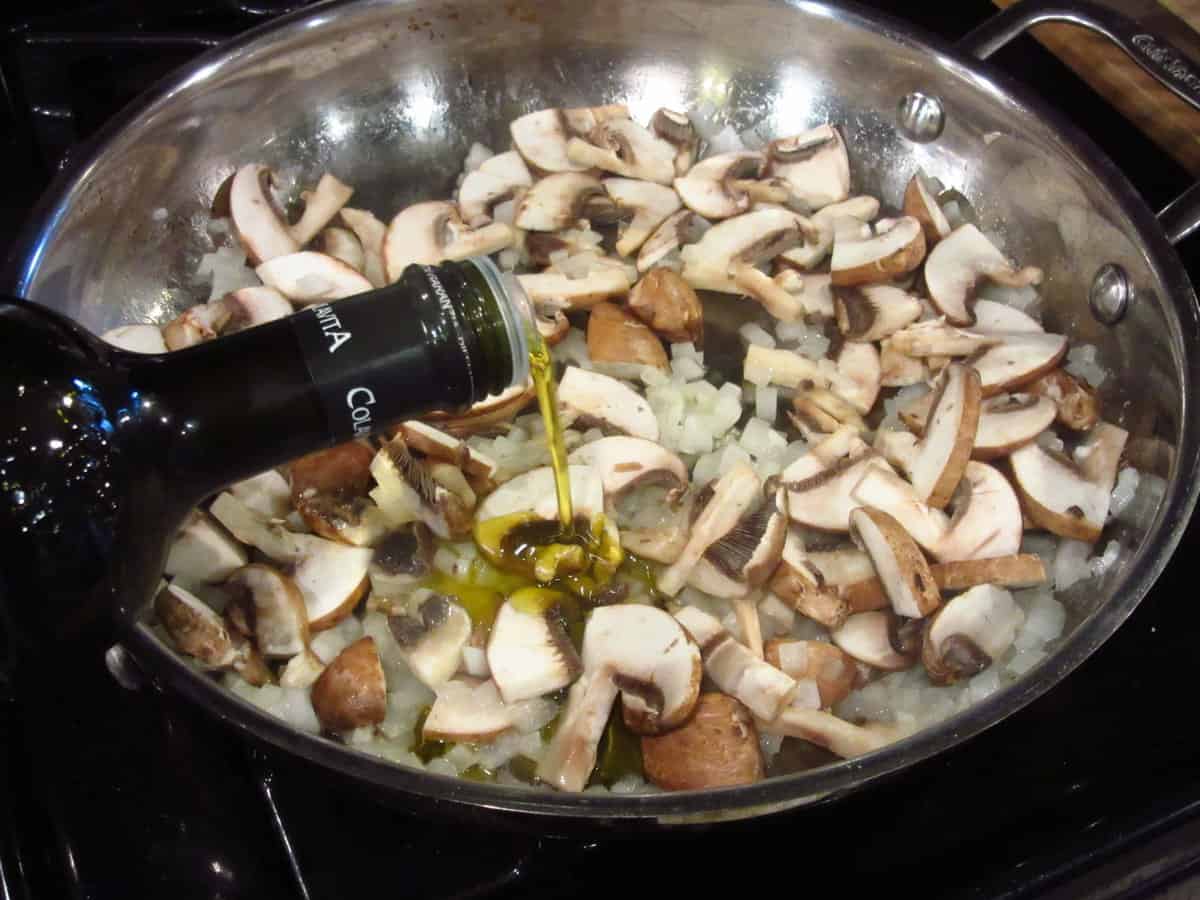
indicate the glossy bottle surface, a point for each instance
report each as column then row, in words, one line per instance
column 104, row 451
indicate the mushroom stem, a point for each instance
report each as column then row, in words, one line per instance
column 826, row 730
column 746, row 610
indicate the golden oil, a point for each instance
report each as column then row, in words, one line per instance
column 541, row 367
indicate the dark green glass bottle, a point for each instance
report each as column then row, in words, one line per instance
column 103, row 451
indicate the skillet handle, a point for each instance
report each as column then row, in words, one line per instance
column 1157, row 57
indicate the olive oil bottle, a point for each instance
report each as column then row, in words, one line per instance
column 103, row 451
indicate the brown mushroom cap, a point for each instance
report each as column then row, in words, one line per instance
column 351, row 692
column 669, row 305
column 616, row 336
column 921, row 205
column 717, row 747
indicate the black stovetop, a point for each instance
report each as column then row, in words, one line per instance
column 1094, row 790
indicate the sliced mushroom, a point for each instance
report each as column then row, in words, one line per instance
column 267, row 493
column 467, row 711
column 677, row 129
column 943, row 451
column 137, row 338
column 814, row 291
column 575, row 293
column 857, row 375
column 302, row 670
column 725, row 258
column 814, row 165
column 427, row 233
column 479, row 468
column 993, row 316
column 195, row 325
column 262, row 231
column 528, row 651
column 817, row 412
column 899, row 448
column 406, row 491
column 331, row 576
column 786, row 368
column 889, row 253
column 679, row 228
column 669, row 305
column 717, row 747
column 650, row 203
column 801, row 583
column 371, row 233
column 826, row 730
column 734, row 669
column 320, row 207
column 351, row 692
column 202, row 551
column 921, row 205
column 714, row 187
column 1017, row 360
column 734, row 493
column 194, row 627
column 743, row 558
column 310, row 277
column 849, row 216
column 533, row 492
column 987, row 517
column 431, row 639
column 488, row 414
column 902, row 567
column 624, row 147
column 625, row 462
column 600, row 400
column 280, row 617
column 881, row 488
column 496, row 180
column 872, row 312
column 559, row 201
column 898, row 369
column 833, row 670
column 1070, row 498
column 957, row 265
column 1006, row 422
column 1074, row 399
column 873, row 638
column 1016, row 571
column 344, row 470
column 250, row 306
column 343, row 245
column 640, row 652
column 617, row 336
column 936, row 338
column 402, row 559
column 820, row 495
column 541, row 137
column 969, row 633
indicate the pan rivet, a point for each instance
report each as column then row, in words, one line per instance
column 921, row 117
column 1110, row 294
column 123, row 669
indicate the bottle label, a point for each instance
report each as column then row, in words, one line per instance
column 353, row 360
